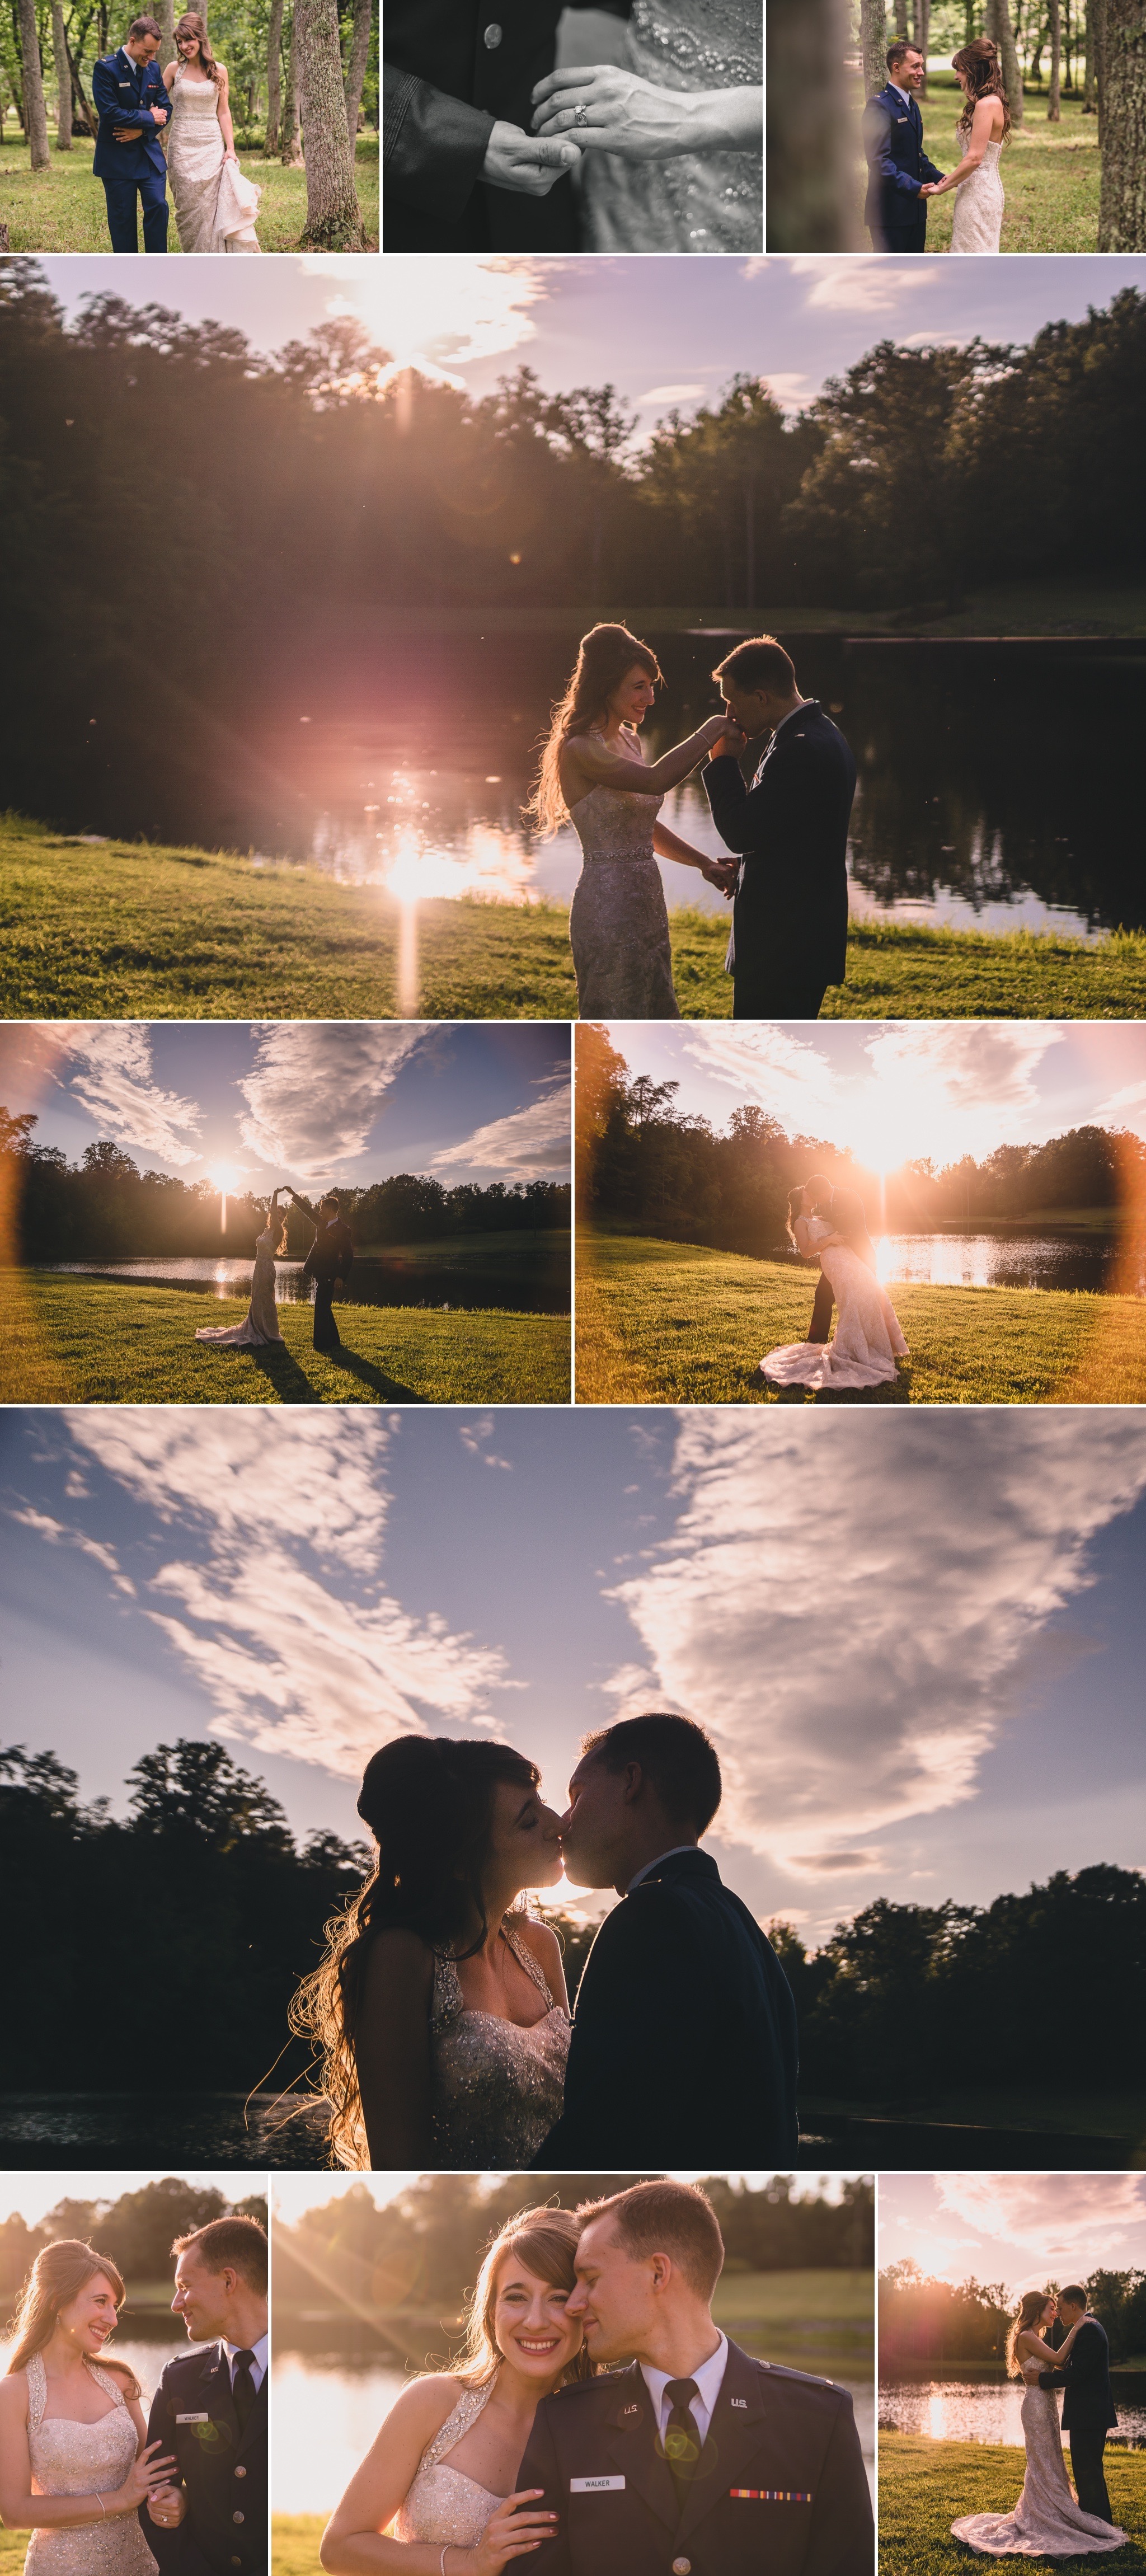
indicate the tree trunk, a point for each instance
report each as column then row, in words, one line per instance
column 36, row 115
column 922, row 35
column 86, row 110
column 333, row 214
column 1122, row 212
column 1000, row 28
column 356, row 69
column 1089, row 98
column 274, row 80
column 1096, row 19
column 873, row 40
column 166, row 16
column 63, row 80
column 1054, row 102
column 901, row 25
column 813, row 184
column 291, row 152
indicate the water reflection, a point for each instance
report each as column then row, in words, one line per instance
column 978, row 2410
column 535, row 1283
column 145, row 2132
column 1008, row 1261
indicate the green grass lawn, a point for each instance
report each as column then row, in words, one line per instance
column 62, row 208
column 294, row 2543
column 98, row 1341
column 126, row 930
column 822, row 2321
column 926, row 2486
column 1051, row 173
column 676, row 1323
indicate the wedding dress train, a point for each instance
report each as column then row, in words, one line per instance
column 979, row 202
column 260, row 1324
column 84, row 2459
column 1046, row 2522
column 867, row 1340
column 698, row 201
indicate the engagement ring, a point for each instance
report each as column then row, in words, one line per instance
column 581, row 113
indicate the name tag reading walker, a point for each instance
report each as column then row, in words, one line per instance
column 193, row 2419
column 594, row 2486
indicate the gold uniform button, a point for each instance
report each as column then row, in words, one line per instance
column 240, row 2473
column 682, row 2567
column 238, row 2517
column 492, row 37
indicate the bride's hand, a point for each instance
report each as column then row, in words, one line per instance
column 721, row 728
column 605, row 109
column 508, row 2534
column 167, row 2506
column 146, row 2476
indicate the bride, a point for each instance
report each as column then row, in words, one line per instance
column 435, row 2495
column 867, row 1340
column 260, row 1324
column 594, row 774
column 440, row 2011
column 673, row 136
column 75, row 2461
column 215, row 205
column 1046, row 2522
column 980, row 135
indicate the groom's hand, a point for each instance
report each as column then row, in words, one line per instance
column 525, row 163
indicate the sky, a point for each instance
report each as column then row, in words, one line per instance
column 295, row 2193
column 916, row 1638
column 31, row 2195
column 299, row 1101
column 1023, row 2229
column 669, row 333
column 895, row 1090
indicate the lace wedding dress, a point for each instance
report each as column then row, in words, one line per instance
column 497, row 2089
column 1046, row 2522
column 867, row 1339
column 618, row 924
column 979, row 202
column 195, row 158
column 261, row 1322
column 84, row 2459
column 696, row 202
column 442, row 2504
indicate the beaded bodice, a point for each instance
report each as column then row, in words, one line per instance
column 697, row 44
column 497, row 2088
column 612, row 824
column 69, row 2458
column 442, row 2503
column 194, row 98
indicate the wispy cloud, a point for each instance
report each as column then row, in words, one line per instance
column 850, row 1612
column 863, row 283
column 106, row 1065
column 316, row 1088
column 1080, row 2219
column 942, row 1089
column 530, row 1144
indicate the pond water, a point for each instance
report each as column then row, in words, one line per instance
column 979, row 803
column 1002, row 1260
column 327, row 2410
column 146, row 2343
column 967, row 2408
column 531, row 1286
column 136, row 2132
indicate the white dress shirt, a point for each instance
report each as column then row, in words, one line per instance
column 655, row 1864
column 706, row 2381
column 904, row 94
column 259, row 2366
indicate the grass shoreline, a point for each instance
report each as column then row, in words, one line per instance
column 124, row 930
column 924, row 2486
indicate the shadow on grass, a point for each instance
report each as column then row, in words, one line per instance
column 371, row 1375
column 290, row 1382
column 897, row 1392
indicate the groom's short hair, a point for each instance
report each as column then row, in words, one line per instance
column 145, row 27
column 230, row 2244
column 1076, row 2295
column 895, row 53
column 676, row 1756
column 760, row 663
column 671, row 2218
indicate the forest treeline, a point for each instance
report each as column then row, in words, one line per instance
column 426, row 2245
column 209, row 1911
column 103, row 1208
column 641, row 1163
column 255, row 39
column 136, row 2229
column 923, row 2319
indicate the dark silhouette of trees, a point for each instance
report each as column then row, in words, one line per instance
column 136, row 2230
column 922, row 2319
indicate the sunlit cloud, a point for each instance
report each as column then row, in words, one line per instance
column 1126, row 1108
column 670, row 394
column 863, row 283
column 317, row 1086
column 942, row 1090
column 445, row 313
column 790, row 391
column 1080, row 2219
column 852, row 1673
column 530, row 1144
column 106, row 1065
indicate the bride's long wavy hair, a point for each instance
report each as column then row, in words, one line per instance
column 815, row 1180
column 1030, row 2307
column 604, row 656
column 545, row 2241
column 428, row 1801
column 191, row 24
column 61, row 2270
column 983, row 72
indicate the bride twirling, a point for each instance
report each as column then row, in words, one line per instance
column 867, row 1340
column 260, row 1324
column 215, row 205
column 440, row 2011
column 442, row 2473
column 75, row 2461
column 1046, row 2522
column 673, row 136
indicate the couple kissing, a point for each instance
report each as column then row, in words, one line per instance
column 440, row 2011
column 693, row 2455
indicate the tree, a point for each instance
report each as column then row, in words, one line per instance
column 360, row 34
column 196, row 1789
column 922, row 35
column 333, row 214
column 1054, row 102
column 1122, row 208
column 290, row 153
column 274, row 79
column 999, row 27
column 35, row 113
column 63, row 73
column 873, row 45
column 810, row 182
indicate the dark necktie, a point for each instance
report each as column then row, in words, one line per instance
column 682, row 2435
column 243, row 2387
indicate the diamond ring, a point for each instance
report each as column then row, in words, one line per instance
column 581, row 113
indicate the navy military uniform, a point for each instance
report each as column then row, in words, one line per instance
column 897, row 165
column 779, row 2483
column 125, row 93
column 222, row 2465
column 790, row 910
column 329, row 1259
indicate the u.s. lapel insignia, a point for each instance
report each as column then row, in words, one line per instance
column 740, row 2401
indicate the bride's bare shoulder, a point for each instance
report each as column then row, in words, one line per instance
column 426, row 2404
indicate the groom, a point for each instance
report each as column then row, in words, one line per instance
column 790, row 909
column 211, row 2409
column 899, row 172
column 133, row 109
column 694, row 2456
column 328, row 1262
column 1088, row 2411
column 844, row 1210
column 462, row 170
column 684, row 2047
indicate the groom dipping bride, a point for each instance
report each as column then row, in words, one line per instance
column 440, row 2011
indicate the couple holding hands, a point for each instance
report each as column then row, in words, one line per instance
column 328, row 1263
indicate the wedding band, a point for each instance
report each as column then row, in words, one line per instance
column 581, row 113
